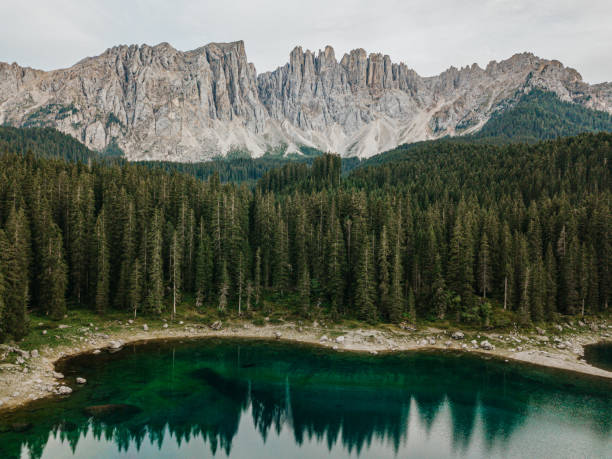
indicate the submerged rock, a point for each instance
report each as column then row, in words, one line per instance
column 115, row 344
column 112, row 412
column 18, row 427
column 64, row 390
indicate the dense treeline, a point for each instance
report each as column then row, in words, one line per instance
column 44, row 142
column 50, row 143
column 538, row 115
column 459, row 233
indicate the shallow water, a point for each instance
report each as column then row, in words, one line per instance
column 252, row 399
column 599, row 355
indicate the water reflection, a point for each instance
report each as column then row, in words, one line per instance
column 213, row 394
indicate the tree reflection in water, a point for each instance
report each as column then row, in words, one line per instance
column 184, row 391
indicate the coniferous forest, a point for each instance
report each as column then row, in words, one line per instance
column 480, row 234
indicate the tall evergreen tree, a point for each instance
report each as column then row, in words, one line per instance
column 53, row 277
column 102, row 264
column 364, row 289
column 134, row 297
column 484, row 265
column 155, row 273
column 203, row 267
column 175, row 264
column 16, row 259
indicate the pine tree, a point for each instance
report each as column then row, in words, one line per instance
column 524, row 304
column 155, row 273
column 16, row 258
column 364, row 292
column 53, row 277
column 304, row 287
column 223, row 287
column 3, row 252
column 412, row 306
column 537, row 291
column 506, row 276
column 282, row 267
column 484, row 265
column 460, row 267
column 135, row 287
column 102, row 264
column 397, row 293
column 257, row 280
column 203, row 267
column 440, row 295
column 383, row 274
column 551, row 283
column 127, row 257
column 335, row 261
column 80, row 221
column 175, row 264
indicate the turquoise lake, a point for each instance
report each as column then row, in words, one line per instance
column 261, row 399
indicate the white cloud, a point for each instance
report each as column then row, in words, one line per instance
column 428, row 35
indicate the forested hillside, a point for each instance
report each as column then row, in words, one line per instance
column 541, row 115
column 51, row 143
column 463, row 232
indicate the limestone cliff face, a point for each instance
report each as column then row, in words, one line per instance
column 160, row 103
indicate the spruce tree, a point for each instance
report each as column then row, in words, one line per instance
column 440, row 295
column 397, row 292
column 484, row 265
column 384, row 280
column 551, row 283
column 102, row 265
column 304, row 288
column 155, row 273
column 203, row 267
column 175, row 265
column 364, row 291
column 223, row 287
column 3, row 252
column 412, row 314
column 134, row 287
column 334, row 265
column 257, row 281
column 16, row 258
column 53, row 277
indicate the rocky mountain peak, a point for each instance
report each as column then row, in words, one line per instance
column 156, row 102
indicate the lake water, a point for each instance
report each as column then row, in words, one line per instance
column 261, row 399
column 599, row 355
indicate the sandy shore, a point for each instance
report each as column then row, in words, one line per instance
column 35, row 377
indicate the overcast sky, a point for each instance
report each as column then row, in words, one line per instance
column 428, row 35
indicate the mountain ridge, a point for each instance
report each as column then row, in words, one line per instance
column 159, row 103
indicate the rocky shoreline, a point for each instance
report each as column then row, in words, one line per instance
column 33, row 374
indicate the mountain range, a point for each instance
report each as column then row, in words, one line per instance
column 159, row 103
